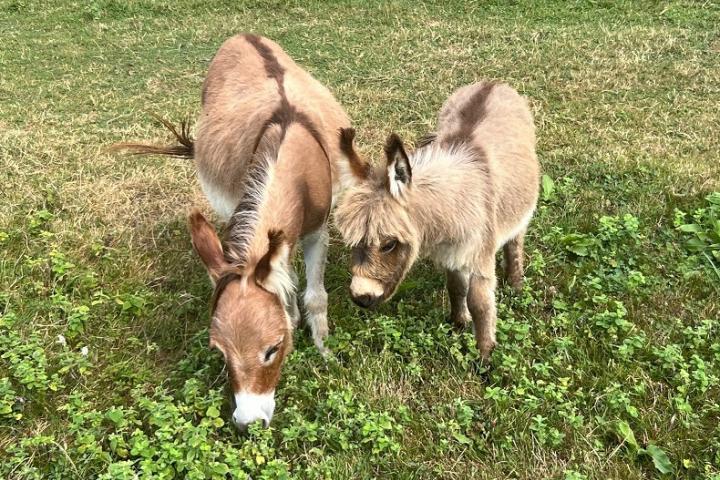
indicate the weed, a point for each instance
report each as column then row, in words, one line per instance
column 608, row 361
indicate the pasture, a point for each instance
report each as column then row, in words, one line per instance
column 608, row 362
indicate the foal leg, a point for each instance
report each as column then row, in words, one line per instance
column 457, row 285
column 481, row 303
column 513, row 260
column 315, row 248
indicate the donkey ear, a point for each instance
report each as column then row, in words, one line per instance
column 359, row 168
column 398, row 166
column 207, row 245
column 272, row 271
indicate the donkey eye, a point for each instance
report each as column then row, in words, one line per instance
column 389, row 246
column 271, row 351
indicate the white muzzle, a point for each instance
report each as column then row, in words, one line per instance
column 251, row 407
column 360, row 286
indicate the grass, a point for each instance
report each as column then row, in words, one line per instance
column 609, row 361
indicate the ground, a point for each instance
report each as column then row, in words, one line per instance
column 608, row 364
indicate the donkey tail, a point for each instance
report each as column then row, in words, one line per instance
column 184, row 148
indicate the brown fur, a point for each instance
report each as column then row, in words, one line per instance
column 268, row 157
column 284, row 94
column 185, row 147
column 359, row 168
column 426, row 140
column 470, row 189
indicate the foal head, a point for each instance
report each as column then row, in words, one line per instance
column 249, row 324
column 374, row 219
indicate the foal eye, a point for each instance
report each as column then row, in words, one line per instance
column 389, row 246
column 270, row 352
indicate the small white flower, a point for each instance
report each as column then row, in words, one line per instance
column 84, row 351
column 61, row 340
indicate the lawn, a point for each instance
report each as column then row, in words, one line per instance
column 608, row 364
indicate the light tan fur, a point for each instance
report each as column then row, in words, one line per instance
column 268, row 159
column 238, row 93
column 469, row 191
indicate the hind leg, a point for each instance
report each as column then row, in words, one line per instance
column 457, row 285
column 481, row 303
column 513, row 259
column 315, row 248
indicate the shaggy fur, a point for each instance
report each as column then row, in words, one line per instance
column 470, row 189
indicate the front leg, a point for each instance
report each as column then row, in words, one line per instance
column 457, row 285
column 292, row 307
column 481, row 302
column 315, row 248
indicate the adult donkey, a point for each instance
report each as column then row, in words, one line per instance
column 268, row 160
column 469, row 190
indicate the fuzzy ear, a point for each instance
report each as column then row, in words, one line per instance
column 207, row 245
column 273, row 271
column 398, row 166
column 359, row 168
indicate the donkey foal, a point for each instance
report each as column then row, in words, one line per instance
column 470, row 189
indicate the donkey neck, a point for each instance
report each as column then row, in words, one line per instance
column 450, row 196
column 275, row 197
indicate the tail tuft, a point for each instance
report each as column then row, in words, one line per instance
column 185, row 147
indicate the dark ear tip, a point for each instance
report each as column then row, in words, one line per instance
column 393, row 144
column 347, row 135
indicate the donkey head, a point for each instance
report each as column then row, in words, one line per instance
column 376, row 220
column 249, row 324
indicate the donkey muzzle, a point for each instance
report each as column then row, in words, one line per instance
column 365, row 301
column 253, row 407
column 366, row 292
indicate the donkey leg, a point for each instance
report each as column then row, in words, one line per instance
column 292, row 307
column 315, row 248
column 481, row 303
column 513, row 260
column 457, row 285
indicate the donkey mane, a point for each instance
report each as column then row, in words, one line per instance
column 241, row 227
column 243, row 222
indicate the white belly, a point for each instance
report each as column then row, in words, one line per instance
column 522, row 225
column 221, row 201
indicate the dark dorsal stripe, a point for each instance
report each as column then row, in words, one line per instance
column 242, row 221
column 472, row 113
column 285, row 114
column 272, row 66
column 426, row 140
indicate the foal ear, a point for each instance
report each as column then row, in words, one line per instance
column 359, row 168
column 398, row 166
column 207, row 245
column 272, row 271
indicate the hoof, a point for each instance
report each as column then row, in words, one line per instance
column 460, row 322
column 516, row 283
column 486, row 348
column 325, row 353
